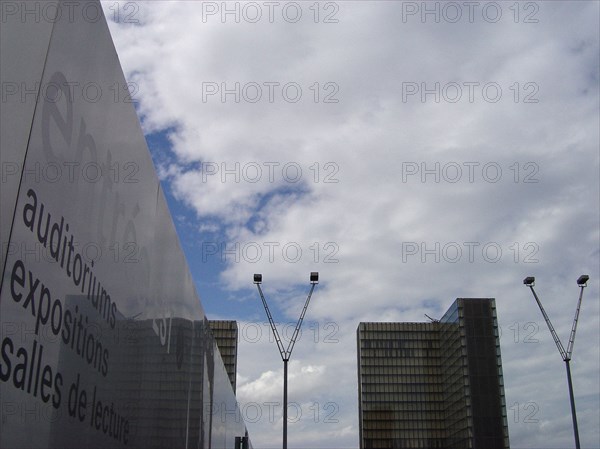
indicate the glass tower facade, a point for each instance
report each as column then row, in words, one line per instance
column 433, row 385
column 105, row 342
column 225, row 333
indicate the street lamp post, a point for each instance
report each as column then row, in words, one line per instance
column 566, row 355
column 286, row 353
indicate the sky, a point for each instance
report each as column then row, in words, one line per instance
column 410, row 152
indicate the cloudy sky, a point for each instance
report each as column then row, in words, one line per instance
column 409, row 152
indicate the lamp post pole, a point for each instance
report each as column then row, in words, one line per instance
column 565, row 354
column 285, row 402
column 572, row 397
column 286, row 353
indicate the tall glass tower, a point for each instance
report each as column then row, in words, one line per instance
column 225, row 333
column 433, row 385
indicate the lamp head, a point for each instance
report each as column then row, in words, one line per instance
column 257, row 278
column 582, row 280
column 314, row 277
column 529, row 281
